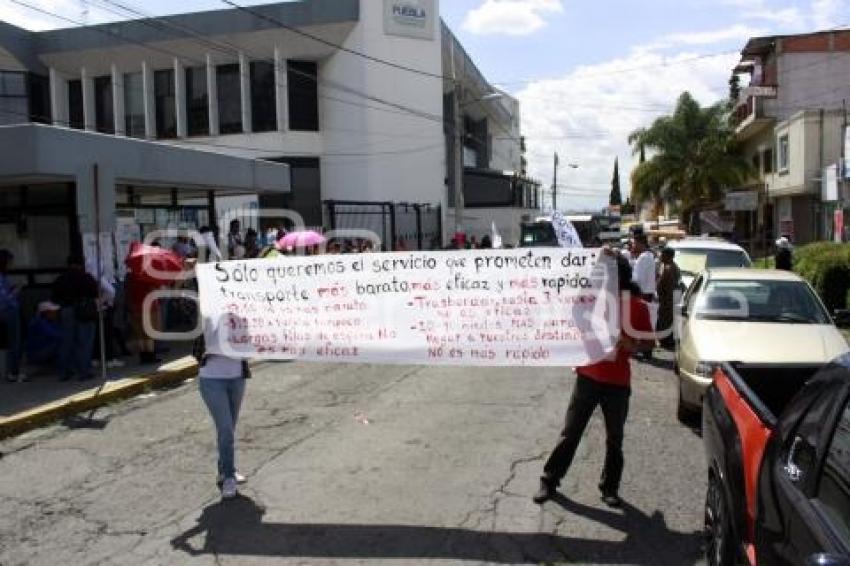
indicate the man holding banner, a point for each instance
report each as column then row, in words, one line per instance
column 608, row 384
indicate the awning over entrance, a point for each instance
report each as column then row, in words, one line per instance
column 35, row 151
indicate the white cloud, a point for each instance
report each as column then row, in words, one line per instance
column 737, row 32
column 70, row 11
column 510, row 17
column 830, row 13
column 587, row 115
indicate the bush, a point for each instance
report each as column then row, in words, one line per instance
column 826, row 265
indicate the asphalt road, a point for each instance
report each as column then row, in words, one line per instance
column 355, row 464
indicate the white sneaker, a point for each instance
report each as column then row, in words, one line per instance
column 19, row 378
column 115, row 364
column 22, row 377
column 239, row 478
column 228, row 488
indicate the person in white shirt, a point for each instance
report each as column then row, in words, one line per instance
column 644, row 270
column 645, row 276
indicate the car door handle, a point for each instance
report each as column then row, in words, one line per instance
column 791, row 469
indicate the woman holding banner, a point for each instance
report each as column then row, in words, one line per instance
column 607, row 384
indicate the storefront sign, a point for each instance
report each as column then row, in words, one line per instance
column 547, row 307
column 410, row 18
column 829, row 185
column 742, row 201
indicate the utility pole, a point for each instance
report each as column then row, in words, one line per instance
column 458, row 146
column 555, row 185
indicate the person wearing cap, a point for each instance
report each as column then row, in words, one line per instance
column 44, row 335
column 784, row 258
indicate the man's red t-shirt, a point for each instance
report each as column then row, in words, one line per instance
column 616, row 369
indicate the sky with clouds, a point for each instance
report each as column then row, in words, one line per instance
column 586, row 72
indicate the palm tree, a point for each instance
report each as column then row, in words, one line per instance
column 694, row 158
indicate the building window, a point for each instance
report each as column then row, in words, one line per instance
column 197, row 102
column 263, row 104
column 166, row 109
column 14, row 107
column 767, row 160
column 104, row 118
column 784, row 156
column 302, row 81
column 229, row 92
column 134, row 105
column 39, row 98
column 76, row 116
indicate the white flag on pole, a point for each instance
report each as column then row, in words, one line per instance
column 565, row 231
column 496, row 237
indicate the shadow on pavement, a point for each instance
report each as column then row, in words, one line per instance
column 235, row 527
column 648, row 540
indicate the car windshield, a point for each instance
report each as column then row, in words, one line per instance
column 695, row 261
column 538, row 233
column 761, row 301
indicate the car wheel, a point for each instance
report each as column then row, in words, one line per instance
column 718, row 530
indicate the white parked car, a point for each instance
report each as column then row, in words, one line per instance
column 758, row 317
column 695, row 255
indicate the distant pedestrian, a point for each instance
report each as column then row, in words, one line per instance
column 234, row 240
column 10, row 319
column 252, row 244
column 669, row 277
column 486, row 243
column 137, row 289
column 608, row 385
column 76, row 292
column 784, row 258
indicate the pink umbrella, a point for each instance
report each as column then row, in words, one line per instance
column 303, row 239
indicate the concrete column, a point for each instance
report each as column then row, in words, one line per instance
column 212, row 95
column 88, row 101
column 58, row 98
column 118, row 101
column 281, row 93
column 180, row 98
column 150, row 110
column 245, row 84
column 86, row 205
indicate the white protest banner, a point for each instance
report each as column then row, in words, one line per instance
column 565, row 231
column 544, row 307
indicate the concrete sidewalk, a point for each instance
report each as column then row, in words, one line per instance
column 43, row 399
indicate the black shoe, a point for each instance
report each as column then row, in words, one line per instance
column 612, row 500
column 544, row 494
column 65, row 377
column 87, row 377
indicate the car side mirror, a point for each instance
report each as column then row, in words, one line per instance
column 827, row 560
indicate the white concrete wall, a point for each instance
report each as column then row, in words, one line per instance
column 406, row 161
column 806, row 137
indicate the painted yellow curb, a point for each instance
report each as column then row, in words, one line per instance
column 168, row 374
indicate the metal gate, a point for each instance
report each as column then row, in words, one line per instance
column 397, row 225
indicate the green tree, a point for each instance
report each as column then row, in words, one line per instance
column 615, row 198
column 693, row 159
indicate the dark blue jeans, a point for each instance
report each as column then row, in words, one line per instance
column 77, row 345
column 11, row 321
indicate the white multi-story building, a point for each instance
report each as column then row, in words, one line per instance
column 355, row 96
column 790, row 122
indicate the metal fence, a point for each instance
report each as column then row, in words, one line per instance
column 398, row 225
